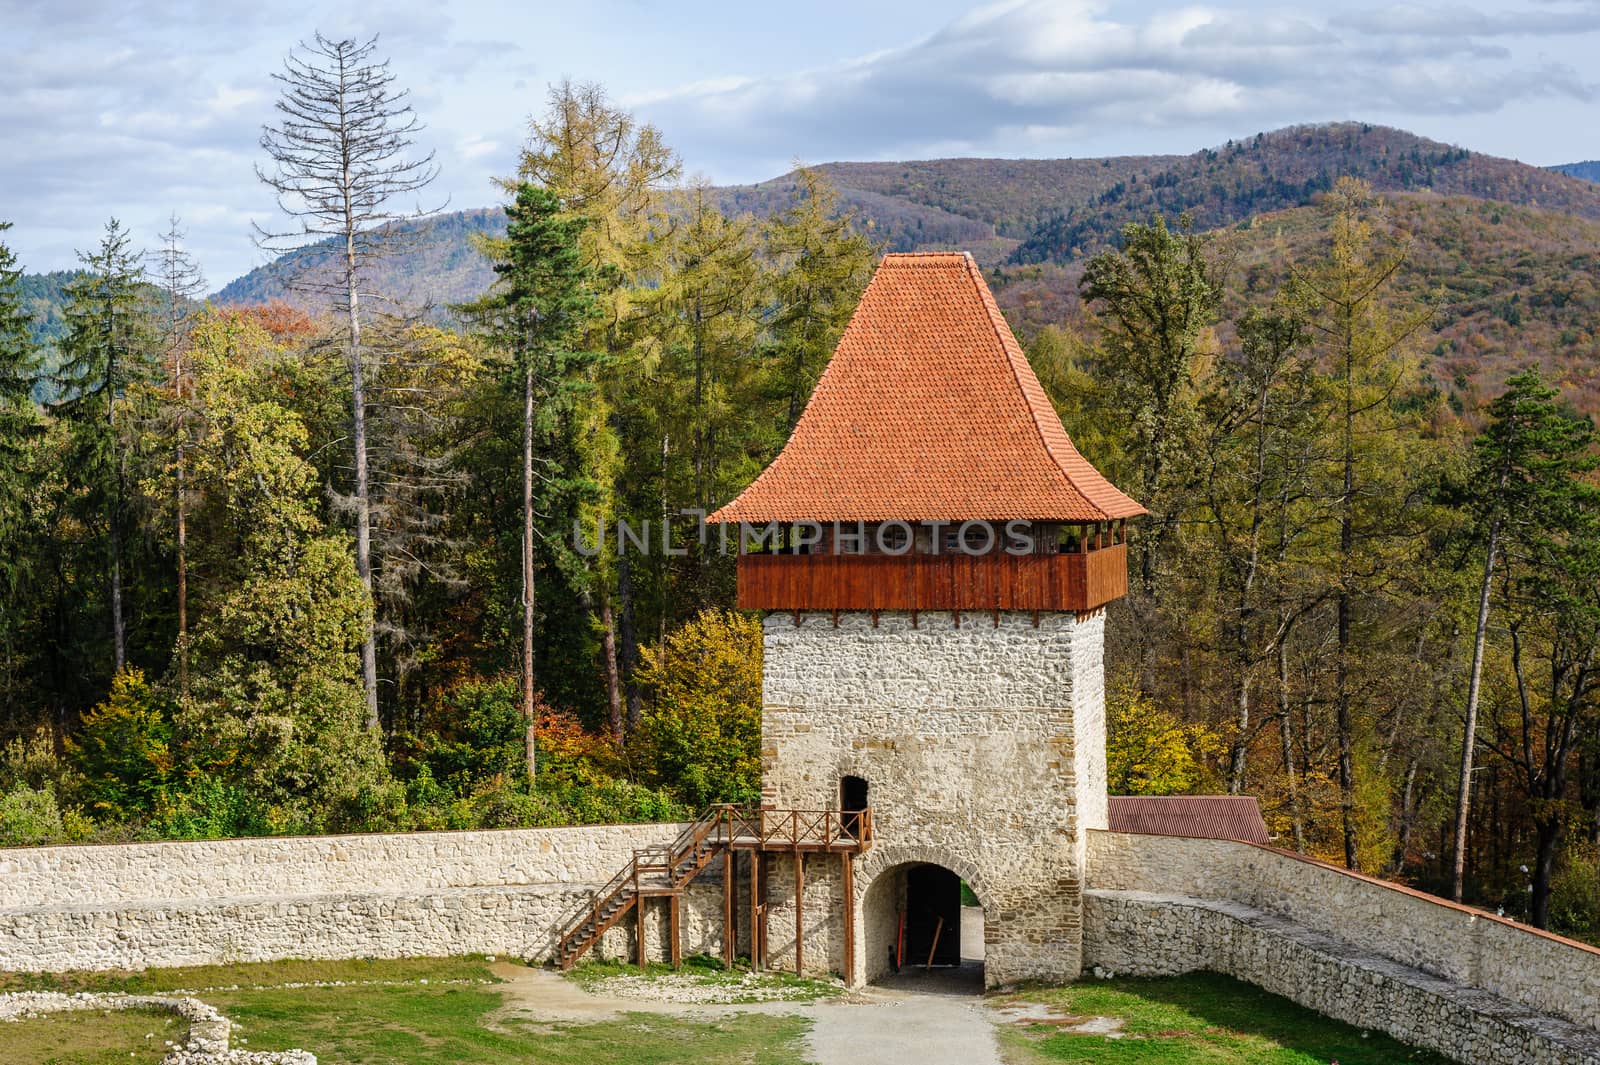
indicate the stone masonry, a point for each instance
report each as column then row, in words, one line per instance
column 437, row 894
column 982, row 741
column 1477, row 988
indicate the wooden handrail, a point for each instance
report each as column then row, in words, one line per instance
column 722, row 826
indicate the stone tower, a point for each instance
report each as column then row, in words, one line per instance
column 934, row 555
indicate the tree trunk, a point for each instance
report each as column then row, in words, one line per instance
column 183, row 586
column 608, row 649
column 530, row 748
column 629, row 637
column 182, row 527
column 119, row 630
column 1286, row 740
column 1469, row 736
column 358, row 405
column 1547, row 835
column 1346, row 545
column 1240, row 748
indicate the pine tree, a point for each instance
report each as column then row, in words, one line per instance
column 616, row 173
column 1156, row 301
column 19, row 430
column 1369, row 366
column 535, row 317
column 180, row 282
column 1532, row 494
column 107, row 351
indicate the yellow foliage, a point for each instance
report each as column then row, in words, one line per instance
column 701, row 734
column 1149, row 751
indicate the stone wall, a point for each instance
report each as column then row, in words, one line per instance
column 416, row 895
column 1161, row 935
column 1465, row 947
column 974, row 737
column 312, row 865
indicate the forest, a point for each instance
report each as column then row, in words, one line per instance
column 309, row 566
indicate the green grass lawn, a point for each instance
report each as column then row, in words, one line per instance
column 91, row 1037
column 1200, row 1019
column 425, row 1012
column 451, row 1012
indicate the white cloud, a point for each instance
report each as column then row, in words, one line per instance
column 1026, row 66
column 149, row 106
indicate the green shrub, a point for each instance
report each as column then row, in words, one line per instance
column 31, row 817
column 1575, row 894
column 615, row 802
column 500, row 803
column 474, row 735
column 31, row 762
column 122, row 751
column 210, row 808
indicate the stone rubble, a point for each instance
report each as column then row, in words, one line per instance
column 209, row 1030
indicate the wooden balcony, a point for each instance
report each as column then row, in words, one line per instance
column 1077, row 582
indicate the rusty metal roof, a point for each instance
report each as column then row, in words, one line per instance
column 1195, row 816
column 929, row 410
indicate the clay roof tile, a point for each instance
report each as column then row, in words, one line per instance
column 929, row 411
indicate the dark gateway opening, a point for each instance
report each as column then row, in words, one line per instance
column 933, row 916
column 852, row 800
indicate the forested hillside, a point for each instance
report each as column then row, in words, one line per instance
column 1589, row 171
column 1289, row 167
column 1508, row 287
column 272, row 567
column 431, row 263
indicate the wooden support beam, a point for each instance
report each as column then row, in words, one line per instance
column 638, row 920
column 727, row 908
column 677, row 938
column 799, row 913
column 755, row 911
column 849, row 917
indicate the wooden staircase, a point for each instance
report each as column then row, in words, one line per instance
column 720, row 831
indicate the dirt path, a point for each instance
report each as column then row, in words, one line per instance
column 918, row 1021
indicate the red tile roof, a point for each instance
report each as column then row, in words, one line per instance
column 1196, row 816
column 929, row 411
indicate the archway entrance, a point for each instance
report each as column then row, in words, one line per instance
column 923, row 929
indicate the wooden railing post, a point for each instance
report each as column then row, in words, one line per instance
column 755, row 910
column 727, row 908
column 849, row 917
column 638, row 912
column 799, row 909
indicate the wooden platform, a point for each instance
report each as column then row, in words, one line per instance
column 722, row 831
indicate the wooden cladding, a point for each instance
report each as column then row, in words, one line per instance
column 998, row 581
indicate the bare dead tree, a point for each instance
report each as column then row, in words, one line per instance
column 342, row 158
column 181, row 283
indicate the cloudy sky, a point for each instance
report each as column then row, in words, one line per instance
column 139, row 109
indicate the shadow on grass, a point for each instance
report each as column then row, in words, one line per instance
column 1211, row 1018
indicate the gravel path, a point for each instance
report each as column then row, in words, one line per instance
column 888, row 1026
column 917, row 1018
